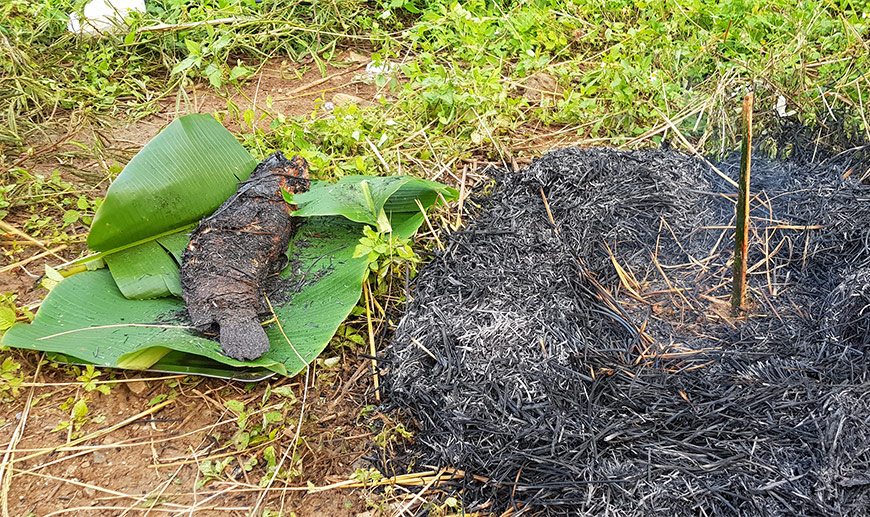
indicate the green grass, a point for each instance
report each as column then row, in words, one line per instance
column 620, row 66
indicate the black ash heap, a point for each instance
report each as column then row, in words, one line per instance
column 590, row 365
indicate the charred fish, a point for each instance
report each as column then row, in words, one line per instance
column 233, row 252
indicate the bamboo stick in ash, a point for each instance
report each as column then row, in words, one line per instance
column 738, row 292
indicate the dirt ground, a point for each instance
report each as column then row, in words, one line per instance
column 156, row 457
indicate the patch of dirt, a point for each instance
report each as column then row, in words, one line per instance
column 158, row 457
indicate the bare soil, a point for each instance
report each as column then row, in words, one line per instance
column 157, row 457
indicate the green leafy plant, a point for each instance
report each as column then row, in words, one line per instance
column 8, row 313
column 208, row 60
column 78, row 409
column 392, row 434
column 347, row 336
column 10, row 379
column 88, row 378
column 385, row 252
column 249, row 434
column 366, row 476
column 213, row 469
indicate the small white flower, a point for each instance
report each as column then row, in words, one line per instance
column 530, row 53
column 654, row 76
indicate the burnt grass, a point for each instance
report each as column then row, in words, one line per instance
column 526, row 357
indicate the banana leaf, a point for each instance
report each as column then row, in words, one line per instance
column 88, row 318
column 179, row 177
column 182, row 175
column 145, row 271
column 368, row 199
column 131, row 317
column 179, row 362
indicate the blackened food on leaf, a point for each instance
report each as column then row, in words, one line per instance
column 233, row 251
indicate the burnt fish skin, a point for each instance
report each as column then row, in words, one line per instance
column 233, row 252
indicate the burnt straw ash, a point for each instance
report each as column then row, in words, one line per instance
column 593, row 367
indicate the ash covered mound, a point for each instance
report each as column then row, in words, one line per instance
column 590, row 365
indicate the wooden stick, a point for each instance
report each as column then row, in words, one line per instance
column 741, row 236
column 6, row 227
column 322, row 80
column 372, row 349
column 429, row 225
column 28, row 260
column 458, row 223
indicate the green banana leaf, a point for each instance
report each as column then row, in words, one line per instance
column 185, row 173
column 145, row 271
column 131, row 317
column 182, row 175
column 367, row 199
column 179, row 177
column 86, row 316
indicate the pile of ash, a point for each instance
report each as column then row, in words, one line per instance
column 588, row 363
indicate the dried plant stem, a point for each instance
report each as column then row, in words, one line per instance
column 429, row 225
column 741, row 236
column 462, row 194
column 692, row 148
column 549, row 213
column 28, row 260
column 8, row 457
column 378, row 154
column 323, row 80
column 416, row 497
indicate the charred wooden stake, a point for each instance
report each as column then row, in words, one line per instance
column 741, row 236
column 233, row 251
